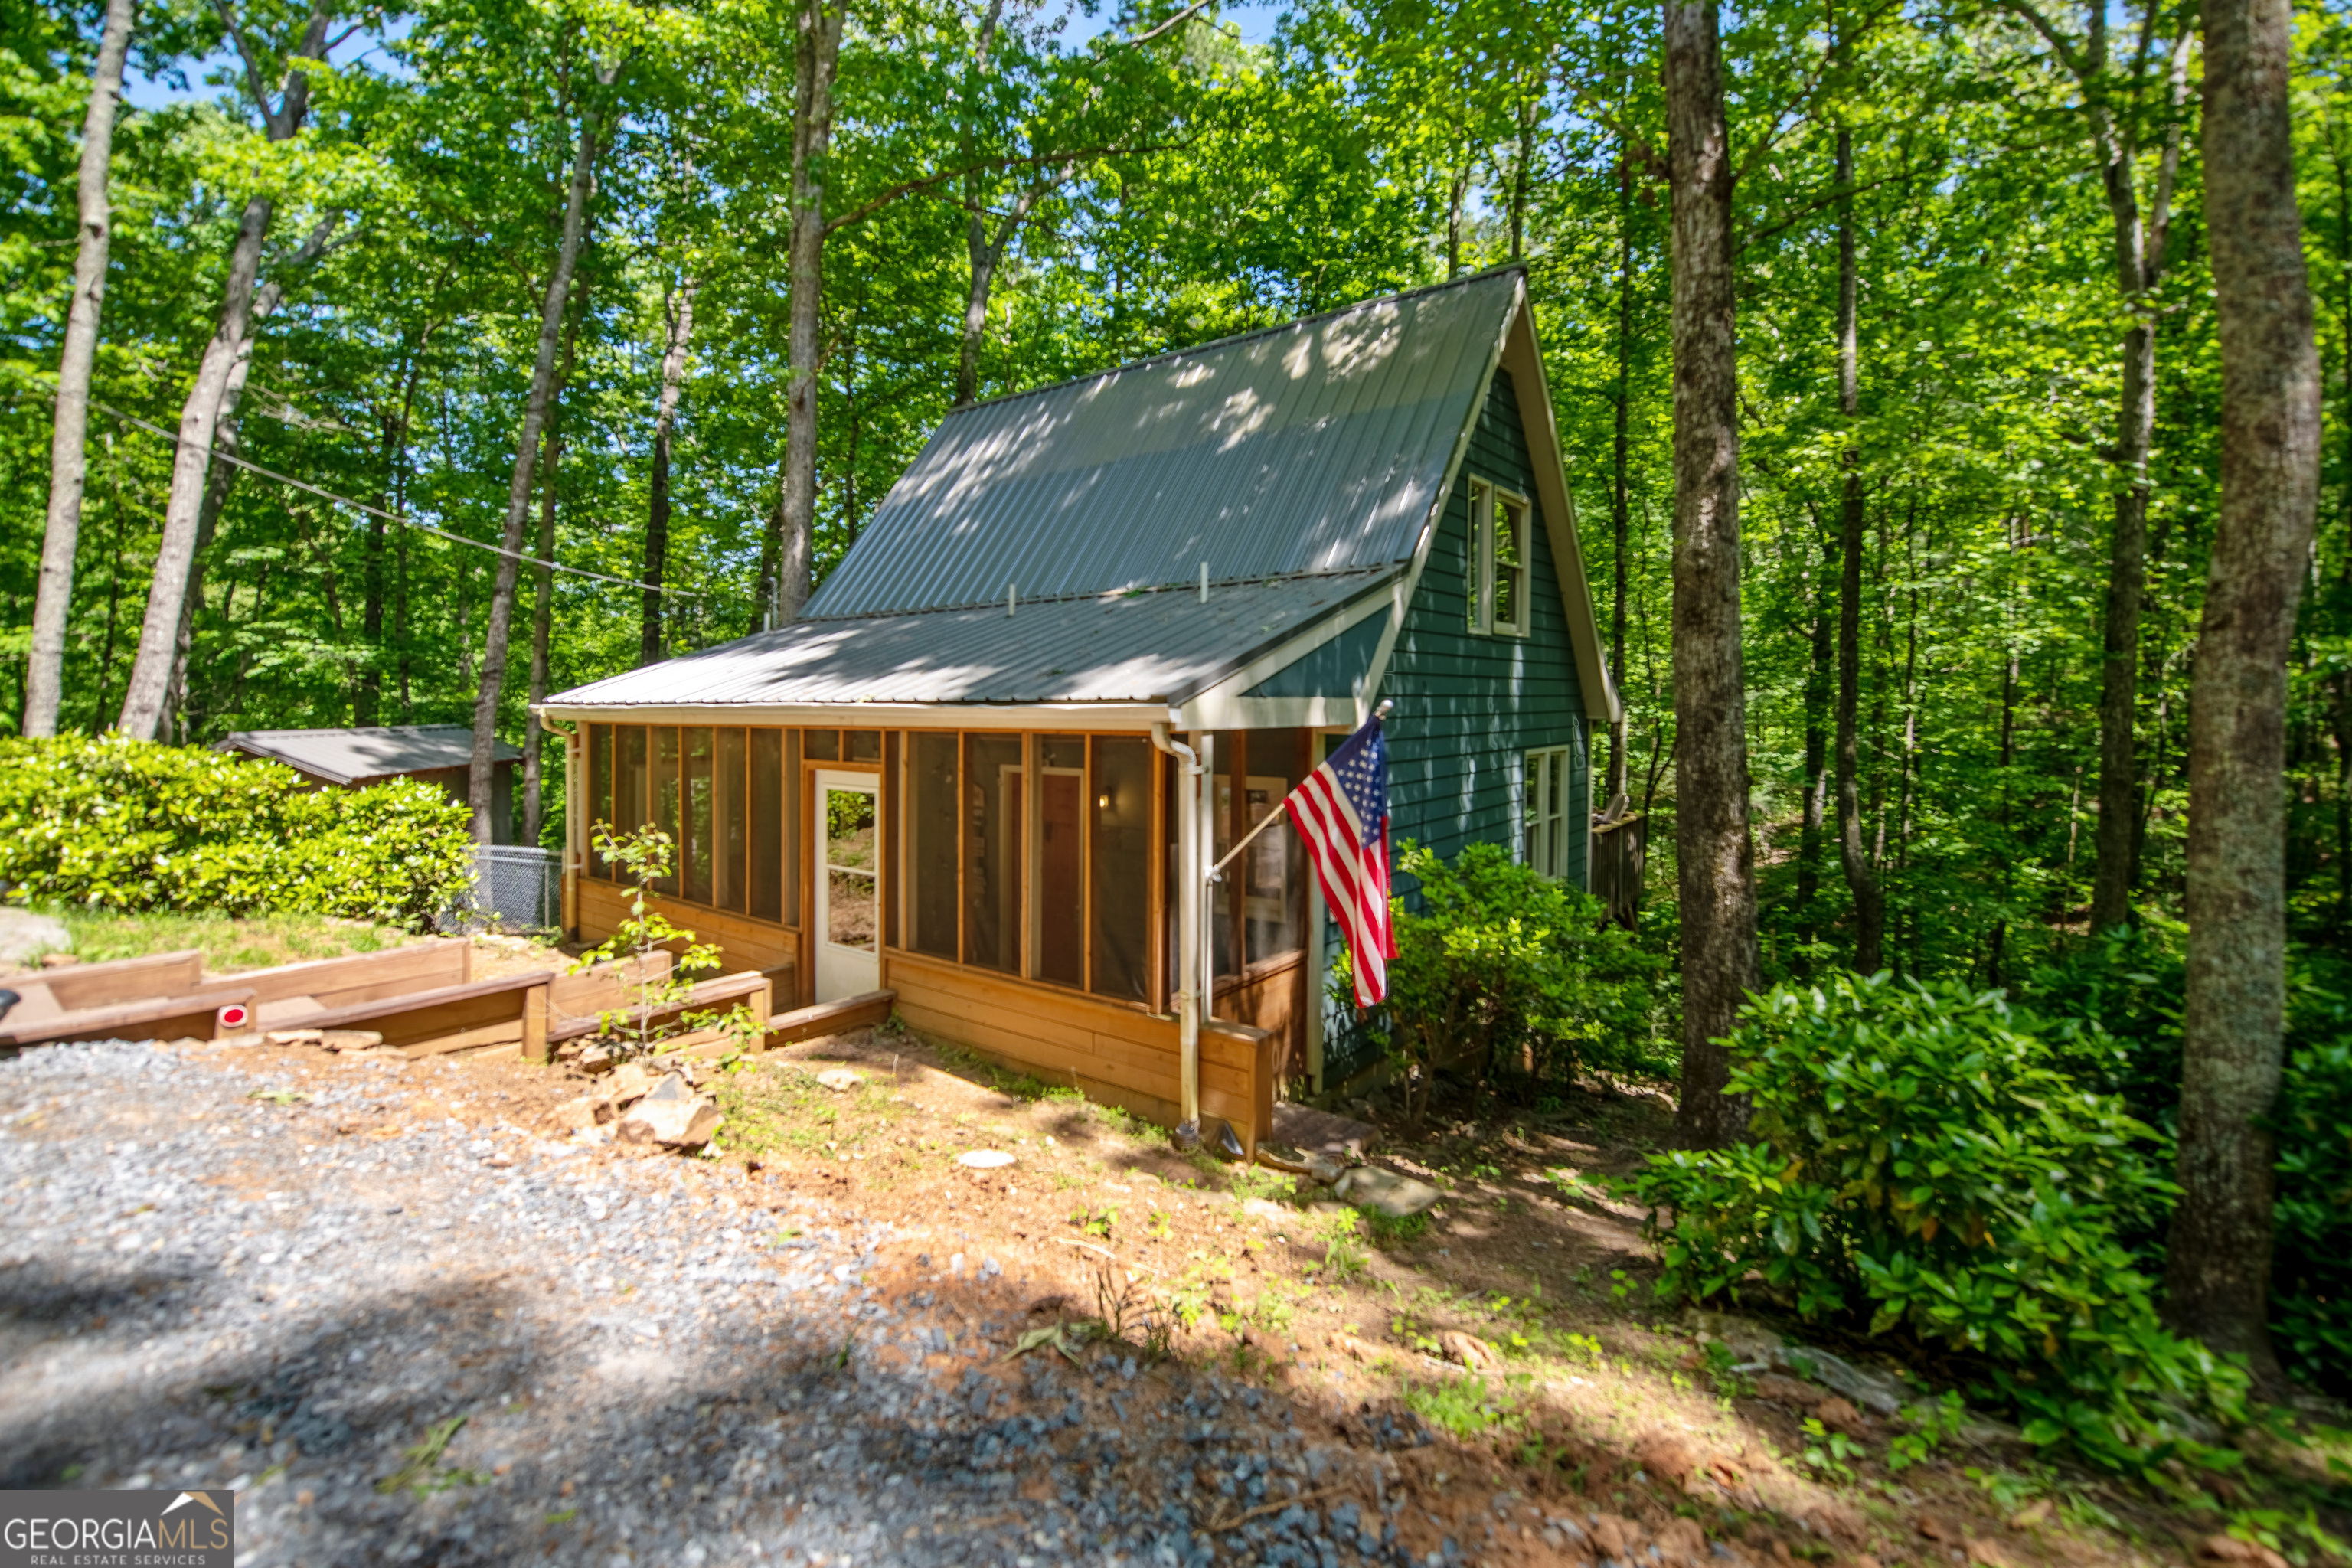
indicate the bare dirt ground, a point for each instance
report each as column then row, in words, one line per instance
column 1220, row 1365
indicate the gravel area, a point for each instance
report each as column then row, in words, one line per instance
column 403, row 1337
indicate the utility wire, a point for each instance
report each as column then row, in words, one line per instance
column 361, row 506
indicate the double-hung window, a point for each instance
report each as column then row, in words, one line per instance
column 1498, row 560
column 1546, row 842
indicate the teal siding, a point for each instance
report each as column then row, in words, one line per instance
column 1334, row 668
column 1467, row 707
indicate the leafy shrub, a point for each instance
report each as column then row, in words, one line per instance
column 129, row 825
column 1504, row 972
column 1921, row 1166
column 2131, row 983
column 2311, row 1271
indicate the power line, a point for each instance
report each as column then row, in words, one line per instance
column 362, row 506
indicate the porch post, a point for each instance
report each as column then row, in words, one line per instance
column 1190, row 950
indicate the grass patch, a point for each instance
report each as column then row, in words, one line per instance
column 1389, row 1233
column 264, row 942
column 1465, row 1408
column 773, row 1110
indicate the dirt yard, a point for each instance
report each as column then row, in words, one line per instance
column 831, row 1343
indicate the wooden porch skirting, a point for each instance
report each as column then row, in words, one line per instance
column 1113, row 1054
column 742, row 943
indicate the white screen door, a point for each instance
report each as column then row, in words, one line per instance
column 848, row 908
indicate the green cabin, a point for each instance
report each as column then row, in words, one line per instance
column 1090, row 638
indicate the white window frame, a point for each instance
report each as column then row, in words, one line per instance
column 1489, row 503
column 1545, row 820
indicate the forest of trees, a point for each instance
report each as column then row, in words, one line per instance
column 1979, row 370
column 666, row 294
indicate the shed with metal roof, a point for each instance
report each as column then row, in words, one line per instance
column 1093, row 635
column 438, row 754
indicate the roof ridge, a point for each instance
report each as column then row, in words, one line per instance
column 1169, row 355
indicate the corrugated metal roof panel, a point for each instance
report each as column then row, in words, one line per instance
column 347, row 756
column 1315, row 446
column 1138, row 647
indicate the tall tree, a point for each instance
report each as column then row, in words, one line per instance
column 1861, row 875
column 69, row 461
column 1716, row 875
column 677, row 311
column 534, row 418
column 2216, row 1267
column 150, row 670
column 2113, row 105
column 816, row 60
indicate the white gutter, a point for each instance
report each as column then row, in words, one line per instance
column 1190, row 950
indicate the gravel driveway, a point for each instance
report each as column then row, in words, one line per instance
column 405, row 1338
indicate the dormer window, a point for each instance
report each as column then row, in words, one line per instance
column 1498, row 560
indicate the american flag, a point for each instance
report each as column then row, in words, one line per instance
column 1342, row 812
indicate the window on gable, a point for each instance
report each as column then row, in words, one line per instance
column 1498, row 560
column 1546, row 842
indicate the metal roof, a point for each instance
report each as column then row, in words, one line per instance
column 1318, row 446
column 1142, row 646
column 348, row 756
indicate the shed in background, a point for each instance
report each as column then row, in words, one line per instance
column 436, row 754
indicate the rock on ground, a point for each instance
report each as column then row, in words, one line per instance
column 294, row 1298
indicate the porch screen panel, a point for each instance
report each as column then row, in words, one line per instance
column 992, row 850
column 862, row 745
column 1061, row 858
column 1119, row 879
column 665, row 799
column 1273, row 867
column 697, row 855
column 600, row 793
column 1226, row 753
column 628, row 780
column 763, row 829
column 727, row 785
column 823, row 745
column 793, row 820
column 894, row 757
column 932, row 844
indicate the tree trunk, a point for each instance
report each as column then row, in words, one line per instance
column 543, row 623
column 150, row 671
column 534, row 416
column 1819, row 671
column 68, row 461
column 819, row 53
column 369, row 707
column 1621, row 465
column 2139, row 262
column 542, row 582
column 987, row 251
column 2111, row 886
column 2217, row 1270
column 772, row 554
column 1861, row 876
column 673, row 372
column 1716, row 881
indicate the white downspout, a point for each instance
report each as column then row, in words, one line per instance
column 1190, row 948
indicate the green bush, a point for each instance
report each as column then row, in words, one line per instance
column 1502, row 972
column 128, row 825
column 2311, row 1271
column 2131, row 983
column 1921, row 1167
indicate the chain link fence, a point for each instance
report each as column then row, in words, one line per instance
column 517, row 886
